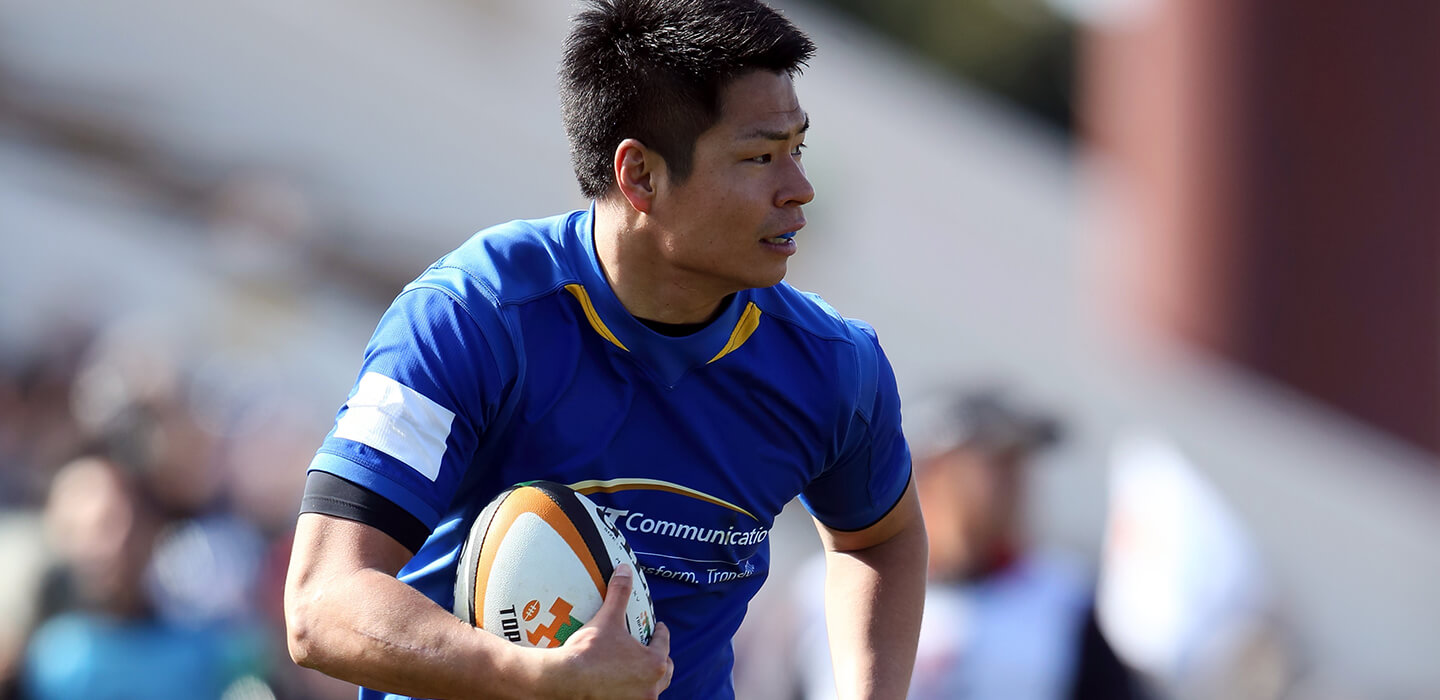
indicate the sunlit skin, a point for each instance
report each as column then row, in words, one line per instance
column 673, row 251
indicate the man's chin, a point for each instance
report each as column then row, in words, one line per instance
column 772, row 279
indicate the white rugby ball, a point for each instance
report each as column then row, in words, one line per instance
column 537, row 563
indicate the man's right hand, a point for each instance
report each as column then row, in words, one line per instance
column 602, row 661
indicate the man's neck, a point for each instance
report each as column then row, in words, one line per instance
column 646, row 284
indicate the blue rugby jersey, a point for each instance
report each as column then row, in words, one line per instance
column 511, row 359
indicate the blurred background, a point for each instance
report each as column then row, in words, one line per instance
column 1202, row 235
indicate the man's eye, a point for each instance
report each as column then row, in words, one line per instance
column 798, row 150
column 761, row 159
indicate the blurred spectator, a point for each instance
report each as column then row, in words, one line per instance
column 131, row 395
column 106, row 641
column 38, row 430
column 167, row 540
column 1183, row 592
column 1004, row 619
column 37, row 433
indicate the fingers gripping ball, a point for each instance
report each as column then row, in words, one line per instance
column 536, row 565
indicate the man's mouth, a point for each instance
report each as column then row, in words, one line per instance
column 781, row 239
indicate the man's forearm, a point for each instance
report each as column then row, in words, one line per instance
column 873, row 600
column 349, row 617
column 367, row 627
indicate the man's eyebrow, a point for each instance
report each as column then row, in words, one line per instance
column 769, row 135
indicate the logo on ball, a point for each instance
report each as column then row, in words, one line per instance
column 560, row 628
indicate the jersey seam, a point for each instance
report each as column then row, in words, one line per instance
column 495, row 296
column 799, row 325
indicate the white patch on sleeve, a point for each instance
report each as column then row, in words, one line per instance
column 397, row 420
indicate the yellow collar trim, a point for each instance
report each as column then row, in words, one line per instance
column 749, row 321
column 592, row 316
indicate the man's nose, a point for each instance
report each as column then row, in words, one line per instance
column 797, row 189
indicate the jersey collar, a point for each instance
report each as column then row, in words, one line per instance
column 667, row 359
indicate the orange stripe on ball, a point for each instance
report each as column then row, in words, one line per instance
column 526, row 499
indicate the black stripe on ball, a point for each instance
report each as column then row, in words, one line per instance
column 577, row 512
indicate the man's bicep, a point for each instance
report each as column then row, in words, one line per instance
column 328, row 546
column 902, row 517
column 335, row 586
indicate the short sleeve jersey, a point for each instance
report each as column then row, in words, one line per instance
column 511, row 359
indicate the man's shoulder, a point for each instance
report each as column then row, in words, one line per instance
column 810, row 313
column 508, row 263
column 853, row 353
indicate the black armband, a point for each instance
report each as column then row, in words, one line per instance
column 328, row 494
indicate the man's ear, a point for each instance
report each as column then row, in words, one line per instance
column 635, row 171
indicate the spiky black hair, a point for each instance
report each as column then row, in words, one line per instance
column 653, row 70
